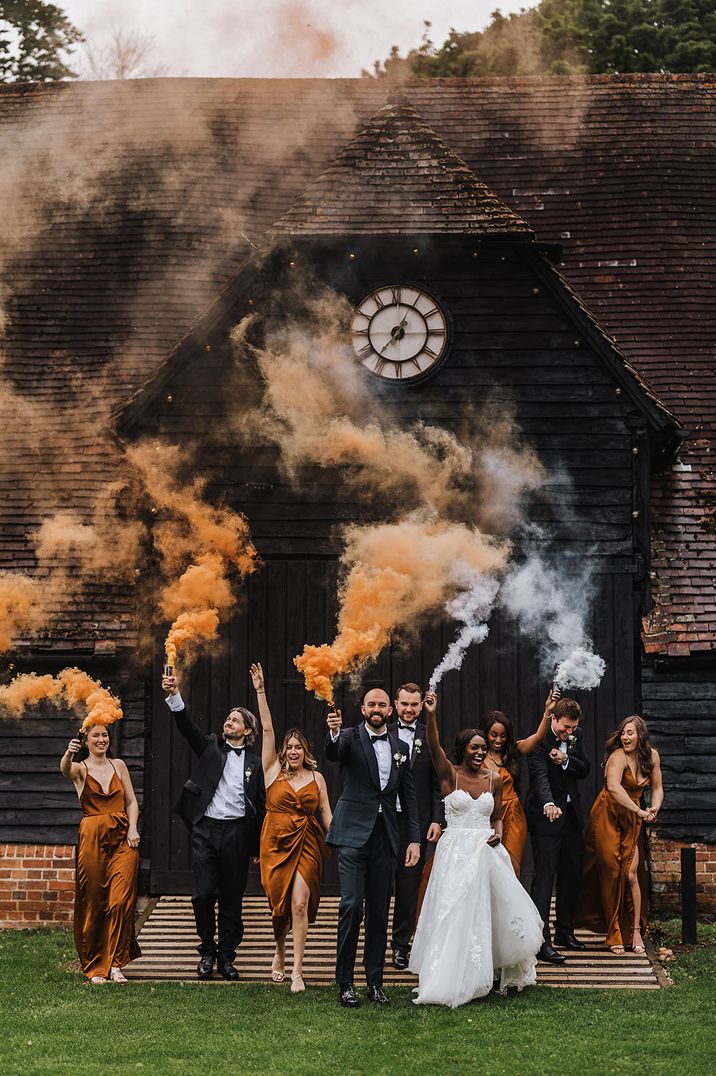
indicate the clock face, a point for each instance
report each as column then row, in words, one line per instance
column 399, row 332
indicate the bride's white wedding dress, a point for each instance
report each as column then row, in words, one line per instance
column 477, row 921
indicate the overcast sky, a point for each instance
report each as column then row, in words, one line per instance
column 240, row 38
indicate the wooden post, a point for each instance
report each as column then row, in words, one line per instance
column 688, row 896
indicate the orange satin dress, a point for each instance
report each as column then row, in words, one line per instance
column 291, row 842
column 106, row 871
column 605, row 904
column 514, row 822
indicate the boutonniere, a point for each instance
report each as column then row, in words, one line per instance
column 247, row 773
column 417, row 746
column 399, row 759
column 571, row 741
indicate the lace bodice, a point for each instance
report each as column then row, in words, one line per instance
column 464, row 812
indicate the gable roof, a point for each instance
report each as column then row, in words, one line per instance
column 138, row 201
column 396, row 177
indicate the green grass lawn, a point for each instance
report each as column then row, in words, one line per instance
column 53, row 1022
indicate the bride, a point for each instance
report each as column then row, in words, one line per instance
column 477, row 922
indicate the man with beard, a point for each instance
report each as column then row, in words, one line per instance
column 223, row 805
column 375, row 765
column 555, row 820
column 408, row 706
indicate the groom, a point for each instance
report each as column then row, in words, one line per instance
column 376, row 769
column 554, row 815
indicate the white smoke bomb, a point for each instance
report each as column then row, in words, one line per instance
column 582, row 669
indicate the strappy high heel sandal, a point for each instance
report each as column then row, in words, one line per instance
column 618, row 950
column 116, row 976
column 638, row 947
column 297, row 984
column 97, row 979
column 278, row 975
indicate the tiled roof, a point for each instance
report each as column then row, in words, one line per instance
column 398, row 178
column 151, row 194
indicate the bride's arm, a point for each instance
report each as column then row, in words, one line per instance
column 496, row 816
column 443, row 767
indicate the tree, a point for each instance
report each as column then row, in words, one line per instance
column 36, row 38
column 634, row 35
column 571, row 37
column 123, row 54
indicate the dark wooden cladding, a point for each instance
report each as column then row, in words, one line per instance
column 680, row 708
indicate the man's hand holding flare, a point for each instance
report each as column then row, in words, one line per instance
column 334, row 722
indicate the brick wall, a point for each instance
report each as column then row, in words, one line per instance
column 666, row 875
column 37, row 884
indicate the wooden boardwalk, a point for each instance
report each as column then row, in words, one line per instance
column 168, row 942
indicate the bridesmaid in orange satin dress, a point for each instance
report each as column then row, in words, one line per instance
column 293, row 850
column 612, row 892
column 503, row 756
column 107, row 861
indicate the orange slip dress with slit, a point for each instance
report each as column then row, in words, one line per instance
column 291, row 842
column 105, row 881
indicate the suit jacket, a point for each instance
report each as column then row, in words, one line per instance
column 552, row 784
column 425, row 779
column 357, row 809
column 198, row 791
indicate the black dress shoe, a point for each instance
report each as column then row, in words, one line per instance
column 229, row 972
column 375, row 993
column 550, row 955
column 400, row 959
column 205, row 967
column 347, row 996
column 568, row 941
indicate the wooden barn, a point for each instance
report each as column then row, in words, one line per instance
column 562, row 229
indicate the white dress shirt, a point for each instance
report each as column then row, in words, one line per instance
column 228, row 799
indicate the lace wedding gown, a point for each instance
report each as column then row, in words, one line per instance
column 477, row 921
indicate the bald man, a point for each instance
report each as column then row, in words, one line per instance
column 375, row 765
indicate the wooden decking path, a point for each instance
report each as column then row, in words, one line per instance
column 168, row 942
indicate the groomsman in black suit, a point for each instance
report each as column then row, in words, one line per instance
column 555, row 818
column 408, row 706
column 223, row 805
column 375, row 765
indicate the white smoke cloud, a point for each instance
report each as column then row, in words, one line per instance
column 471, row 608
column 551, row 602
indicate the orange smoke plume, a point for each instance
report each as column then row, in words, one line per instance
column 71, row 687
column 396, row 573
column 199, row 545
column 21, row 607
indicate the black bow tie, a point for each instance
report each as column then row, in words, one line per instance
column 236, row 750
column 383, row 737
column 408, row 728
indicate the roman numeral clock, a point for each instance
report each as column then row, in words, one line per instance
column 399, row 333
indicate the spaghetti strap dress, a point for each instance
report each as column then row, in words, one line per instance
column 613, row 833
column 105, row 881
column 291, row 842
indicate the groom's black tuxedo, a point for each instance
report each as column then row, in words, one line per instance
column 557, row 846
column 220, row 848
column 430, row 809
column 366, row 831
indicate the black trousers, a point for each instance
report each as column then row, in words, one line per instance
column 366, row 876
column 407, row 887
column 558, row 857
column 220, row 866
